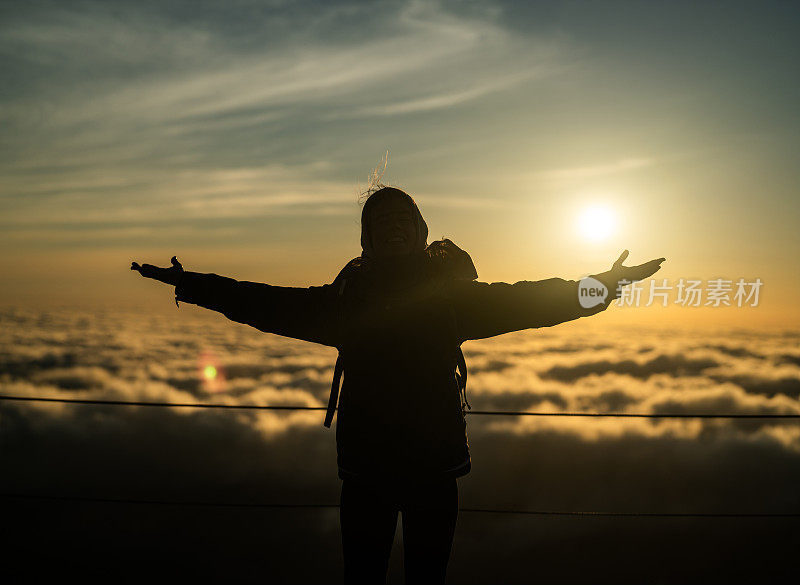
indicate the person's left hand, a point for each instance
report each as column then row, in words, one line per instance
column 611, row 279
column 171, row 275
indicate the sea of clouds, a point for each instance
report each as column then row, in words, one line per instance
column 519, row 462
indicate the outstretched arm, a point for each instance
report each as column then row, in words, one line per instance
column 300, row 313
column 485, row 310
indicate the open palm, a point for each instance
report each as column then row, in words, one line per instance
column 169, row 275
column 620, row 275
column 635, row 273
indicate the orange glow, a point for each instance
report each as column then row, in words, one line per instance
column 210, row 372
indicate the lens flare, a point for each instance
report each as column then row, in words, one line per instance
column 210, row 373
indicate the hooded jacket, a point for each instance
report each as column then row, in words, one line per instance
column 398, row 326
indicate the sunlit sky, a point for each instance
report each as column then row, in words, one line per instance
column 238, row 136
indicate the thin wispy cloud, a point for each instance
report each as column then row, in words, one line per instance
column 598, row 170
column 187, row 131
column 440, row 101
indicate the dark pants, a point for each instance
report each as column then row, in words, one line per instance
column 368, row 516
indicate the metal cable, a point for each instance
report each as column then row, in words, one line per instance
column 474, row 412
column 210, row 504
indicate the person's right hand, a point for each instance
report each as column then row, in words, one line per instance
column 171, row 275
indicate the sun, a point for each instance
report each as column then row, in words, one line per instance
column 596, row 223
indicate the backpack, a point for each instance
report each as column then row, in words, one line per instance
column 450, row 261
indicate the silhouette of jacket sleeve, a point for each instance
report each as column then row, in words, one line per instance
column 301, row 313
column 485, row 310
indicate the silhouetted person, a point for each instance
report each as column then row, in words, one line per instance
column 398, row 315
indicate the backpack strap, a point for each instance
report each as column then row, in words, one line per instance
column 339, row 367
column 334, row 397
column 455, row 263
column 461, row 363
column 461, row 376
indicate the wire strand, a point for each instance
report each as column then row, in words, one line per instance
column 163, row 404
column 473, row 412
column 210, row 504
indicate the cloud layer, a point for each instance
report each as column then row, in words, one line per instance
column 534, row 463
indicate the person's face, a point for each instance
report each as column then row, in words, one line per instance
column 392, row 227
